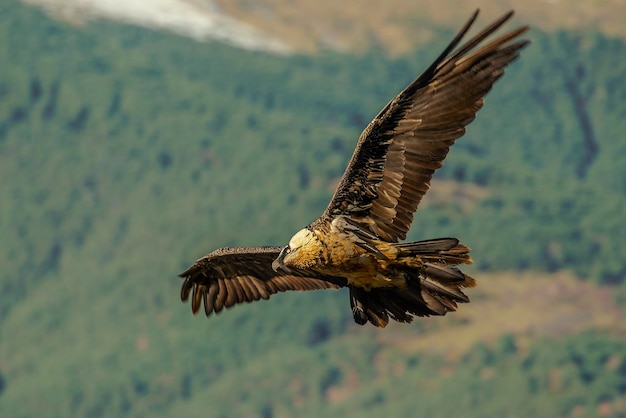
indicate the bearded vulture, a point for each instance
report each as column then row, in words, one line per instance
column 356, row 241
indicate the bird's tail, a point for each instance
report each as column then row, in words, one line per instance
column 433, row 284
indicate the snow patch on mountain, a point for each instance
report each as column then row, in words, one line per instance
column 198, row 19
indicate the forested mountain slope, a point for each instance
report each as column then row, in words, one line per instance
column 125, row 154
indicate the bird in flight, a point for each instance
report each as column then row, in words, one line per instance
column 356, row 242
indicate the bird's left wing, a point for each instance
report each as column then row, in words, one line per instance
column 230, row 276
column 401, row 148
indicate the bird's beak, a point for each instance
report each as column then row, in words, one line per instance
column 278, row 263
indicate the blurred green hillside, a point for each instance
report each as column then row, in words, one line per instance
column 125, row 154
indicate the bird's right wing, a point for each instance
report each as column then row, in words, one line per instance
column 230, row 276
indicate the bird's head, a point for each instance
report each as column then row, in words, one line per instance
column 302, row 252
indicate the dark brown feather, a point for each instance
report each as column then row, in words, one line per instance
column 408, row 140
column 230, row 276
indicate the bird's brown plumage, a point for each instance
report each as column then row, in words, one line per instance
column 399, row 151
column 229, row 276
column 355, row 241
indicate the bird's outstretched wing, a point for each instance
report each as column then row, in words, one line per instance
column 229, row 276
column 401, row 148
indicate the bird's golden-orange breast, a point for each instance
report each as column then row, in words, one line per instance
column 343, row 257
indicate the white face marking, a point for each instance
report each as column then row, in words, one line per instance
column 300, row 239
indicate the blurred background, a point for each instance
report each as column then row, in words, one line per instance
column 136, row 136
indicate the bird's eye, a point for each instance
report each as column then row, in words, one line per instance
column 287, row 249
